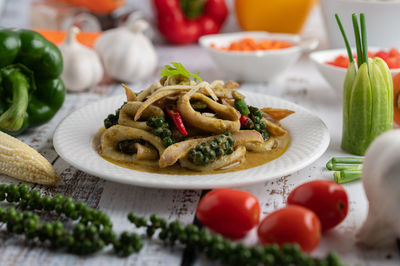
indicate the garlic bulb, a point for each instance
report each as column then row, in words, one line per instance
column 381, row 180
column 126, row 53
column 82, row 66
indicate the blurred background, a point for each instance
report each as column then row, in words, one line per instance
column 56, row 14
column 172, row 30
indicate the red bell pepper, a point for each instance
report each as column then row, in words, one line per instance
column 178, row 28
column 177, row 120
column 243, row 120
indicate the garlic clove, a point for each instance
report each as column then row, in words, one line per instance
column 381, row 180
column 82, row 66
column 127, row 54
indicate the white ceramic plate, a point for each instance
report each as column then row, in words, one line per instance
column 73, row 142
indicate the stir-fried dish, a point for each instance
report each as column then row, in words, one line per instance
column 184, row 122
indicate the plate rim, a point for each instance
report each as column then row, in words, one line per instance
column 325, row 140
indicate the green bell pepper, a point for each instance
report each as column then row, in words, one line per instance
column 31, row 91
column 367, row 95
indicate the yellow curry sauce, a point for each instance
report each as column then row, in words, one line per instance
column 253, row 159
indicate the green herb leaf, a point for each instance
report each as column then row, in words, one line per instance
column 178, row 69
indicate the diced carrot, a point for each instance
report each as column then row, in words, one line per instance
column 249, row 44
column 233, row 46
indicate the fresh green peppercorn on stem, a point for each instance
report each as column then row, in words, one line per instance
column 224, row 250
column 161, row 129
column 112, row 119
column 209, row 151
column 93, row 232
column 257, row 123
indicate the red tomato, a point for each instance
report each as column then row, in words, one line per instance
column 391, row 57
column 393, row 62
column 327, row 199
column 382, row 54
column 394, row 52
column 371, row 54
column 232, row 213
column 292, row 224
column 339, row 61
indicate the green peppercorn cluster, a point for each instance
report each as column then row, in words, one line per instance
column 91, row 232
column 128, row 146
column 224, row 250
column 161, row 129
column 257, row 123
column 112, row 119
column 208, row 151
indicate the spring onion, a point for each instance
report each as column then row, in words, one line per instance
column 367, row 94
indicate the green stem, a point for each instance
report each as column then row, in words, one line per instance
column 340, row 167
column 358, row 41
column 346, row 41
column 364, row 39
column 329, row 165
column 346, row 176
column 192, row 8
column 13, row 118
column 347, row 160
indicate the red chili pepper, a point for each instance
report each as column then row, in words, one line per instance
column 177, row 28
column 243, row 120
column 177, row 119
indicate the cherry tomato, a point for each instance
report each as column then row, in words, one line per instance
column 382, row 54
column 232, row 213
column 391, row 57
column 327, row 199
column 292, row 224
column 394, row 52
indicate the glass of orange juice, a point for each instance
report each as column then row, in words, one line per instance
column 286, row 16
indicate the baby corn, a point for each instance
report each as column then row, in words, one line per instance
column 20, row 161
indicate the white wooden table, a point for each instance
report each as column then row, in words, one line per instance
column 301, row 84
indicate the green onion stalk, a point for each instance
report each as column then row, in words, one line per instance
column 347, row 169
column 367, row 94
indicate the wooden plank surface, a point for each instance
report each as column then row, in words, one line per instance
column 301, row 84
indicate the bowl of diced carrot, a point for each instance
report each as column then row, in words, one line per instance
column 255, row 56
column 332, row 64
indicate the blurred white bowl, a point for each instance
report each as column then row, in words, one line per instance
column 257, row 66
column 335, row 75
column 382, row 19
